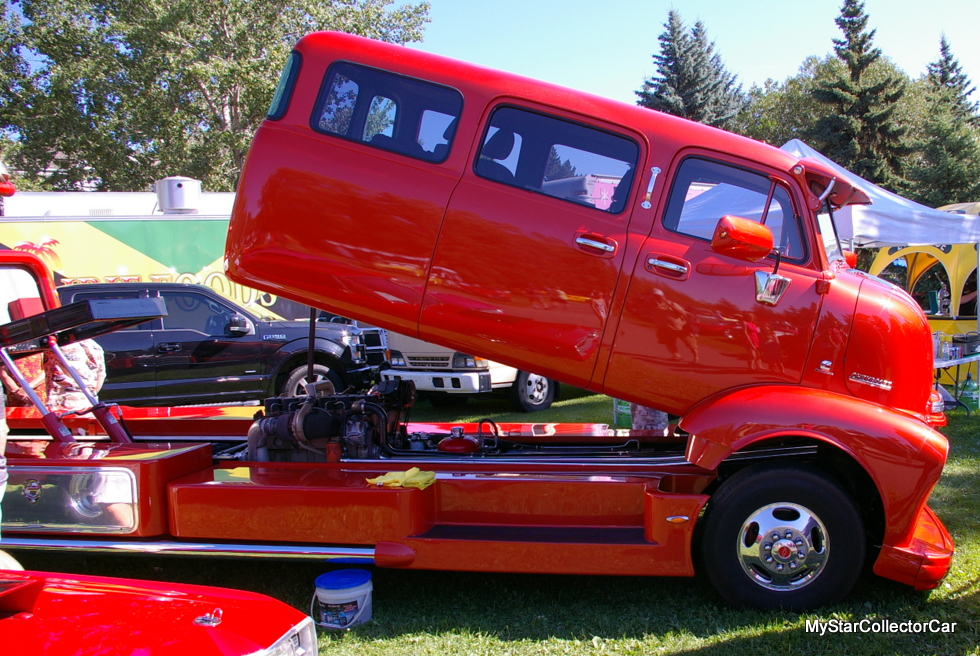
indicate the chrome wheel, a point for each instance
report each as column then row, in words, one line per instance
column 783, row 546
column 536, row 389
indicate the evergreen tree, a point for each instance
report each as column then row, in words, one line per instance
column 946, row 74
column 557, row 169
column 860, row 133
column 691, row 79
column 947, row 166
column 779, row 111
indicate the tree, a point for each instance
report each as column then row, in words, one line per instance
column 113, row 94
column 946, row 74
column 691, row 79
column 947, row 166
column 860, row 133
column 557, row 169
column 779, row 111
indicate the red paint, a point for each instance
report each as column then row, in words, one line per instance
column 75, row 615
column 634, row 303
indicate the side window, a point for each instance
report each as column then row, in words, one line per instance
column 705, row 191
column 91, row 296
column 388, row 111
column 559, row 158
column 190, row 311
column 16, row 283
column 284, row 90
column 381, row 118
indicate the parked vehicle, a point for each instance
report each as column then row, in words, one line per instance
column 76, row 615
column 210, row 350
column 448, row 377
column 374, row 191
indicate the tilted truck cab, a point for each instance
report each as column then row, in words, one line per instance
column 675, row 265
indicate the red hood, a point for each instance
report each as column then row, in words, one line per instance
column 61, row 615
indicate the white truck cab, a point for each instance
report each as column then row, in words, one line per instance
column 449, row 377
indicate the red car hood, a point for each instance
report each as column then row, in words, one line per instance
column 56, row 615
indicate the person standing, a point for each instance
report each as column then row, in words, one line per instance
column 88, row 360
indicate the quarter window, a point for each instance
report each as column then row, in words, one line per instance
column 705, row 191
column 388, row 111
column 284, row 90
column 559, row 158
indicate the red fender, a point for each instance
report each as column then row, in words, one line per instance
column 903, row 456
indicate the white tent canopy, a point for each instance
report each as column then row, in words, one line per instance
column 890, row 219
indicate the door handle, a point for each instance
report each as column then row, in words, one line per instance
column 670, row 267
column 168, row 347
column 593, row 243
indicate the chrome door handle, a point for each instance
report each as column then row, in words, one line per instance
column 670, row 266
column 592, row 243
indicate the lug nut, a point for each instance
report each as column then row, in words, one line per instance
column 792, row 565
column 789, row 534
column 768, row 559
column 775, row 536
column 779, row 567
column 800, row 555
column 767, row 546
column 799, row 542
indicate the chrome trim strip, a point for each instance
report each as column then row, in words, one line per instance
column 171, row 548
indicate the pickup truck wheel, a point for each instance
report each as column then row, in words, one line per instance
column 297, row 380
column 782, row 537
column 532, row 392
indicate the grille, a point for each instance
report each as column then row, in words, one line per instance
column 429, row 361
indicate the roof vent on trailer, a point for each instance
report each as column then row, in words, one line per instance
column 178, row 195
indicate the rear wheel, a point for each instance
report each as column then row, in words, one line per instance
column 782, row 537
column 297, row 380
column 532, row 392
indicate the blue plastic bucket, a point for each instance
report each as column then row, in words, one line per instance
column 342, row 599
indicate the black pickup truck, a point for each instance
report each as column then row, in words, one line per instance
column 209, row 350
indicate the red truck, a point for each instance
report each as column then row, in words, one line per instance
column 417, row 193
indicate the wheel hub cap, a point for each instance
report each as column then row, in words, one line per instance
column 783, row 546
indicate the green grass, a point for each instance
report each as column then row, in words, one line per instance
column 505, row 614
column 575, row 406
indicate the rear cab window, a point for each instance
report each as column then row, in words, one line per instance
column 388, row 111
column 560, row 158
column 705, row 190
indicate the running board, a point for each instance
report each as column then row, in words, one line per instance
column 351, row 555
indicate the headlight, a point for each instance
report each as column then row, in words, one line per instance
column 397, row 359
column 298, row 641
column 463, row 361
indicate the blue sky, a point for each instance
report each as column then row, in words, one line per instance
column 606, row 47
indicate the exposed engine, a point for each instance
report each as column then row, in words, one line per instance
column 329, row 428
column 326, row 428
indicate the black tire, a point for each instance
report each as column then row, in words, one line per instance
column 296, row 381
column 445, row 400
column 820, row 549
column 531, row 392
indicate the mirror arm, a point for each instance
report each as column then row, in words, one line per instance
column 779, row 259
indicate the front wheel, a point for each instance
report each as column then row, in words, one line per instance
column 532, row 392
column 297, row 380
column 782, row 537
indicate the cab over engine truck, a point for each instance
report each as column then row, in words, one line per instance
column 701, row 275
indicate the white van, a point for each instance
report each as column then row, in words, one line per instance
column 448, row 377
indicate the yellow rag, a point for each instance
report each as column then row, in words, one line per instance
column 410, row 478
